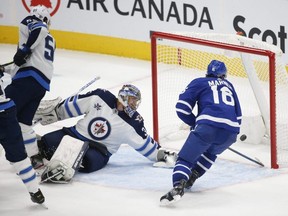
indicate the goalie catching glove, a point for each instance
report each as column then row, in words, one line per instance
column 166, row 158
column 46, row 112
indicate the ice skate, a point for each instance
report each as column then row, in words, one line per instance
column 194, row 175
column 37, row 197
column 173, row 195
column 37, row 161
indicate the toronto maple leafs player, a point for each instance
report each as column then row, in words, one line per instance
column 108, row 122
column 12, row 142
column 215, row 127
column 33, row 72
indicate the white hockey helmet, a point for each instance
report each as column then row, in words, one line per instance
column 42, row 13
column 130, row 96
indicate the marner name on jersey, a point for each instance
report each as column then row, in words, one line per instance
column 219, row 82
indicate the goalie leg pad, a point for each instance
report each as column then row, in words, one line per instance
column 65, row 160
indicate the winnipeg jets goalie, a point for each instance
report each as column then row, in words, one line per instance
column 107, row 122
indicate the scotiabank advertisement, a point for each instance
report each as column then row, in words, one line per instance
column 264, row 20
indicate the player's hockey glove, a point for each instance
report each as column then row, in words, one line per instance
column 22, row 55
column 166, row 158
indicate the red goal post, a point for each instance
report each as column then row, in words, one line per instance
column 256, row 66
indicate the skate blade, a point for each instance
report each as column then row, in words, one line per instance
column 166, row 202
column 41, row 205
column 44, row 205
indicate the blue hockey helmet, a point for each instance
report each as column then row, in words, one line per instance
column 130, row 97
column 216, row 69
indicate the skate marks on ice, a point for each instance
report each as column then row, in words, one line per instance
column 129, row 170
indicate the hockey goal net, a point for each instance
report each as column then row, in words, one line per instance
column 254, row 67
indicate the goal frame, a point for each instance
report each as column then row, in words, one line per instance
column 272, row 86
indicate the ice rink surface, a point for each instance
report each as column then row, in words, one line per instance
column 129, row 185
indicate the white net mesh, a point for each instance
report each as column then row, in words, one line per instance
column 179, row 62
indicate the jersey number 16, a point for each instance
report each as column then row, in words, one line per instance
column 224, row 94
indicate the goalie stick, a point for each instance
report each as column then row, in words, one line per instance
column 86, row 85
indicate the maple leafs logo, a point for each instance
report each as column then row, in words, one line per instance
column 46, row 3
column 52, row 5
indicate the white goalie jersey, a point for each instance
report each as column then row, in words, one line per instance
column 103, row 123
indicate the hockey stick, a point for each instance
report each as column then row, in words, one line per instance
column 6, row 64
column 242, row 155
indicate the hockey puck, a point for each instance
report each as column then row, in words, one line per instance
column 243, row 137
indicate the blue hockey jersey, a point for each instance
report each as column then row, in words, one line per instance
column 217, row 103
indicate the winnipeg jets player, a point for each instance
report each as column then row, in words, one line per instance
column 12, row 142
column 33, row 72
column 107, row 123
column 215, row 127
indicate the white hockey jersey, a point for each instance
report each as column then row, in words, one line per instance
column 103, row 123
column 35, row 34
column 5, row 103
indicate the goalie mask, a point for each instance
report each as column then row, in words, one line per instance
column 42, row 13
column 130, row 97
column 216, row 69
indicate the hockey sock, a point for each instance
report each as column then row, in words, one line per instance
column 182, row 170
column 204, row 163
column 27, row 174
column 30, row 141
